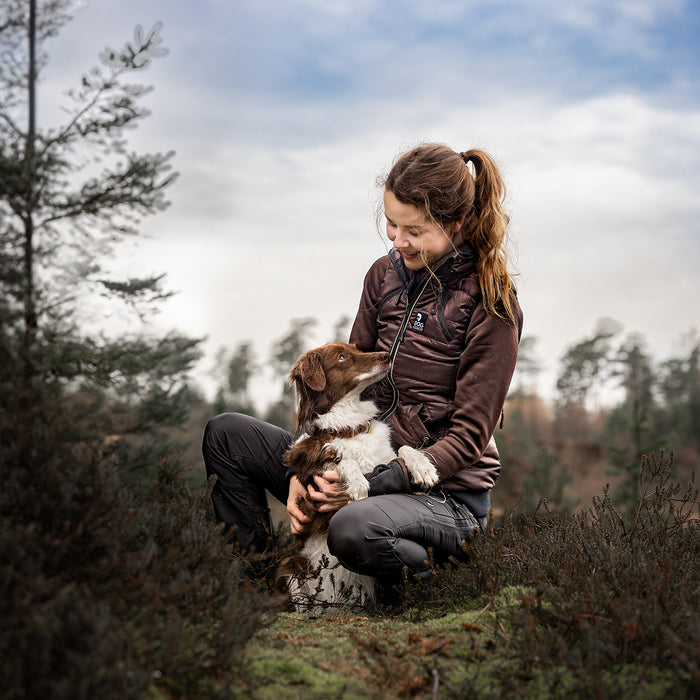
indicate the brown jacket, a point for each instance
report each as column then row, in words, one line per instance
column 451, row 362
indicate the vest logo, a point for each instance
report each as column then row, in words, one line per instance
column 419, row 322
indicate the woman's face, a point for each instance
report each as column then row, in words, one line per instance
column 420, row 241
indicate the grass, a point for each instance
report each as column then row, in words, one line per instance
column 361, row 656
column 450, row 655
column 426, row 654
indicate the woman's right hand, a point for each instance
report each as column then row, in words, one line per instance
column 299, row 521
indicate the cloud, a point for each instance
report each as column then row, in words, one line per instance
column 283, row 114
column 603, row 227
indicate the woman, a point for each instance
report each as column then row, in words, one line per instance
column 442, row 303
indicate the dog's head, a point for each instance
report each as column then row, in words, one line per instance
column 326, row 374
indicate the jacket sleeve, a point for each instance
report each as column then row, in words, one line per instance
column 364, row 329
column 484, row 374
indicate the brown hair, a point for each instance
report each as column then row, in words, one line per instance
column 438, row 181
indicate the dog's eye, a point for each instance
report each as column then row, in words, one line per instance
column 342, row 358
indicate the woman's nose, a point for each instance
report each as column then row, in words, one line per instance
column 399, row 240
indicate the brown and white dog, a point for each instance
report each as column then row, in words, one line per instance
column 338, row 430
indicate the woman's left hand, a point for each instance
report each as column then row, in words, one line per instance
column 327, row 494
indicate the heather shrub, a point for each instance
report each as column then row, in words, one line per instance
column 103, row 594
column 602, row 603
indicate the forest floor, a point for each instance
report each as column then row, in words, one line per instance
column 414, row 654
column 346, row 655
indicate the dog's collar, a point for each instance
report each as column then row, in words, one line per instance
column 347, row 433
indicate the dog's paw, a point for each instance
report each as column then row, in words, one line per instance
column 421, row 469
column 356, row 487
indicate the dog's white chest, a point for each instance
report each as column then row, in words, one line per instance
column 366, row 450
column 359, row 455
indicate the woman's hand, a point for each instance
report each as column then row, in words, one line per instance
column 327, row 494
column 299, row 520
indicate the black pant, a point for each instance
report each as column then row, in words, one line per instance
column 245, row 454
column 382, row 535
column 378, row 536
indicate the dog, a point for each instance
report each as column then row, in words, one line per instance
column 338, row 430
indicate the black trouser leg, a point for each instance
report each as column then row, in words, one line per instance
column 245, row 454
column 382, row 535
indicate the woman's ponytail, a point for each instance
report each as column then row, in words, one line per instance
column 485, row 229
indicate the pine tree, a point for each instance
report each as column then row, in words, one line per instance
column 586, row 366
column 70, row 193
column 631, row 426
column 234, row 371
column 283, row 355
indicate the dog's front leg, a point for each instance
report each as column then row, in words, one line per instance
column 356, row 486
column 421, row 469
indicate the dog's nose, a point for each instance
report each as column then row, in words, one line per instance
column 384, row 357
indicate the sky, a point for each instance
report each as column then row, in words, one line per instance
column 283, row 114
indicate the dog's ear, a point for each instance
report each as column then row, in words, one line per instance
column 309, row 371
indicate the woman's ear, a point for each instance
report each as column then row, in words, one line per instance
column 456, row 226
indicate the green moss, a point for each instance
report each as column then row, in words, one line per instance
column 638, row 683
column 368, row 656
column 467, row 652
column 511, row 596
column 282, row 676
